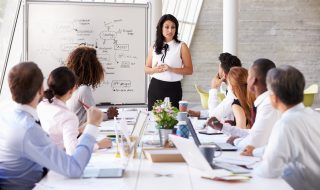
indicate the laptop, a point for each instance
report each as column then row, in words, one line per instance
column 138, row 129
column 221, row 146
column 194, row 158
column 140, row 125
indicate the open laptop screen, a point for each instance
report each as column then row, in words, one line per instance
column 222, row 146
column 140, row 124
column 193, row 132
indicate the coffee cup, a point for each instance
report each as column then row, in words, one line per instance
column 208, row 151
column 182, row 116
column 183, row 106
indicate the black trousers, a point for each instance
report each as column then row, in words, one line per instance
column 159, row 89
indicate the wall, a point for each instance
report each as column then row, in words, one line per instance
column 285, row 31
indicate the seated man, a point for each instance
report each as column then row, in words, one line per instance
column 220, row 110
column 293, row 148
column 26, row 150
column 264, row 117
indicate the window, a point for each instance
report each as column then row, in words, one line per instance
column 187, row 12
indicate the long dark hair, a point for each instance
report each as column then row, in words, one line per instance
column 60, row 81
column 84, row 63
column 160, row 38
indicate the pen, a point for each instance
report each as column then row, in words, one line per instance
column 84, row 104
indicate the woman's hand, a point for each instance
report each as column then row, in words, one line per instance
column 166, row 67
column 159, row 69
column 214, row 123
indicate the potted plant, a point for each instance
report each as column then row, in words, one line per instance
column 165, row 116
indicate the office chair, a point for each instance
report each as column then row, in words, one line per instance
column 204, row 96
column 309, row 94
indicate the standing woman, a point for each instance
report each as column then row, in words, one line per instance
column 168, row 60
column 84, row 63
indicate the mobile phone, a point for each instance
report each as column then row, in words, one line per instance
column 210, row 133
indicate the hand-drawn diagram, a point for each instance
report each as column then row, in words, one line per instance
column 113, row 54
column 121, row 85
column 118, row 33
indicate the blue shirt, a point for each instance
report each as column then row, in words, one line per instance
column 26, row 149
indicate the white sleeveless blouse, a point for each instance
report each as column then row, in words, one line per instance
column 171, row 58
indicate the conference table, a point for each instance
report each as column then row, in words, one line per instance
column 142, row 174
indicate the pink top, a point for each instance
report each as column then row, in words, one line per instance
column 60, row 123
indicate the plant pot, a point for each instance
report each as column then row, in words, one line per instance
column 164, row 136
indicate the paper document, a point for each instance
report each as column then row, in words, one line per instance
column 228, row 178
column 238, row 160
column 216, row 173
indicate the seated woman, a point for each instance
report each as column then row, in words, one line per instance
column 243, row 102
column 83, row 61
column 241, row 106
column 56, row 119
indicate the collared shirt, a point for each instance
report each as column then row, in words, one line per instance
column 223, row 110
column 25, row 149
column 293, row 149
column 259, row 134
column 60, row 123
column 172, row 58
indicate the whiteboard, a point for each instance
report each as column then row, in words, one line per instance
column 119, row 32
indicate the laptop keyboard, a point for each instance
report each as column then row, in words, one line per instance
column 223, row 146
column 230, row 167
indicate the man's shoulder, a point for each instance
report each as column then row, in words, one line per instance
column 16, row 123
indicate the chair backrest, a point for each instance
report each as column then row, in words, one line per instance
column 309, row 94
column 204, row 96
column 221, row 96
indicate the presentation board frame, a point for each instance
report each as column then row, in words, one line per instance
column 147, row 29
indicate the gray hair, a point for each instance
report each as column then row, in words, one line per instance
column 287, row 83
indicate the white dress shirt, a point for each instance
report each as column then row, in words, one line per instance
column 258, row 135
column 293, row 149
column 223, row 110
column 60, row 123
